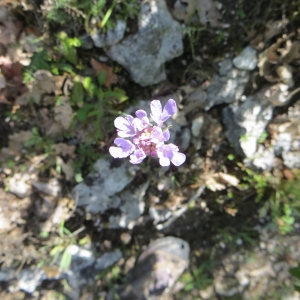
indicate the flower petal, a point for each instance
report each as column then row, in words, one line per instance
column 164, row 161
column 138, row 124
column 166, row 135
column 169, row 110
column 124, row 126
column 178, row 158
column 157, row 134
column 142, row 115
column 137, row 157
column 115, row 152
column 121, row 123
column 173, row 147
column 156, row 111
column 126, row 148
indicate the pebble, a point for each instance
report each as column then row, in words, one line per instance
column 246, row 60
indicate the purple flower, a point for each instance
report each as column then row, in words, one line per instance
column 167, row 153
column 160, row 136
column 125, row 126
column 144, row 139
column 158, row 115
column 125, row 148
column 143, row 121
column 137, row 156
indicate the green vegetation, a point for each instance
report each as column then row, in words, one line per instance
column 198, row 278
column 279, row 197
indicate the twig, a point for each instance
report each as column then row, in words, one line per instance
column 181, row 210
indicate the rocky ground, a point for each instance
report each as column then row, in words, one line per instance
column 76, row 223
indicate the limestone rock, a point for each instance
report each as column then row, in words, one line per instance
column 159, row 39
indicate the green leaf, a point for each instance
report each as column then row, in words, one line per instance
column 108, row 14
column 68, row 48
column 288, row 220
column 82, row 114
column 100, row 94
column 117, row 94
column 295, row 272
column 297, row 288
column 56, row 250
column 78, row 177
column 65, row 67
column 102, row 77
column 89, row 86
column 65, row 260
column 189, row 286
column 44, row 234
column 186, row 277
column 77, row 94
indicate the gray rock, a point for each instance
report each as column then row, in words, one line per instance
column 107, row 259
column 132, row 205
column 225, row 66
column 283, row 143
column 159, row 39
column 112, row 36
column 262, row 160
column 5, row 222
column 29, row 279
column 81, row 258
column 184, row 139
column 86, row 42
column 7, row 274
column 245, row 124
column 227, row 286
column 156, row 271
column 18, row 185
column 242, row 277
column 228, row 87
column 197, row 124
column 159, row 215
column 197, row 95
column 291, row 159
column 246, row 60
column 278, row 94
column 106, row 182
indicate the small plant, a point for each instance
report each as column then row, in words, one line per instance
column 281, row 197
column 296, row 273
column 38, row 142
column 146, row 139
column 68, row 47
column 198, row 278
column 62, row 249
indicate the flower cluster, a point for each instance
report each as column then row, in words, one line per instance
column 146, row 139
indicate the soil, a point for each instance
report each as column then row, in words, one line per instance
column 200, row 226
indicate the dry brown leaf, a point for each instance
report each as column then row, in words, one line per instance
column 231, row 211
column 213, row 185
column 44, row 83
column 63, row 112
column 2, row 82
column 110, row 76
column 52, row 272
column 291, row 53
column 288, row 174
column 209, row 13
column 52, row 187
column 64, row 149
column 10, row 29
column 226, row 178
column 67, row 168
column 183, row 10
column 16, row 142
column 33, row 93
